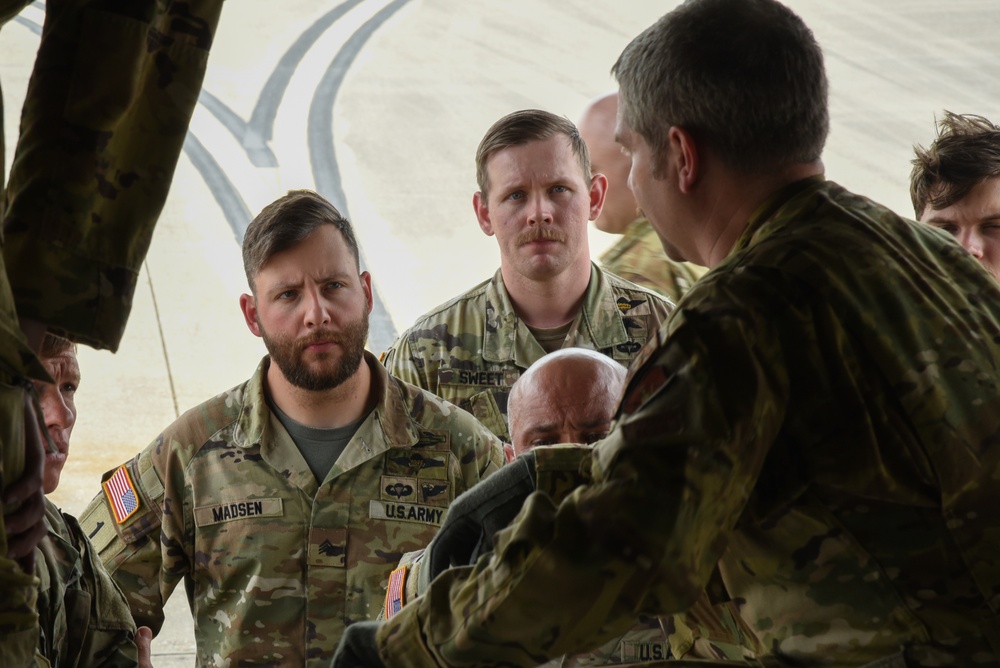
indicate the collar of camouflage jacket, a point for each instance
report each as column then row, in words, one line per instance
column 770, row 207
column 506, row 337
column 387, row 425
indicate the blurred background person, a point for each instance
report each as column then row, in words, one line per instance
column 955, row 185
column 639, row 255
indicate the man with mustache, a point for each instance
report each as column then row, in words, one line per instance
column 536, row 196
column 284, row 503
column 816, row 429
column 955, row 185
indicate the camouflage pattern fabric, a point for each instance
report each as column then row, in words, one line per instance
column 638, row 257
column 18, row 593
column 819, row 422
column 104, row 120
column 83, row 616
column 276, row 563
column 471, row 349
column 705, row 631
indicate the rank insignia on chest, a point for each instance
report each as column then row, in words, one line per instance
column 396, row 591
column 121, row 494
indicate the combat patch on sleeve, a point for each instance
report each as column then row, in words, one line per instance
column 122, row 495
column 96, row 524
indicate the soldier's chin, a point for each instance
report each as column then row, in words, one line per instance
column 53, row 471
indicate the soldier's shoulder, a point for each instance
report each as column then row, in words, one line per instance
column 207, row 421
column 471, row 303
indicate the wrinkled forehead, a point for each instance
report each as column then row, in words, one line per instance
column 63, row 366
column 571, row 382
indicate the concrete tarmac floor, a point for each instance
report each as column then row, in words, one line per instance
column 379, row 105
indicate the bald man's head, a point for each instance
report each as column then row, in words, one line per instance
column 568, row 396
column 597, row 127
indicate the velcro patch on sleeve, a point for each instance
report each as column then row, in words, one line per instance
column 394, row 595
column 99, row 532
column 122, row 495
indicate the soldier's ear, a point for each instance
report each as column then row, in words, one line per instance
column 249, row 307
column 598, row 190
column 686, row 155
column 479, row 203
column 366, row 287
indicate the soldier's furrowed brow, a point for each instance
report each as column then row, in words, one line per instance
column 278, row 288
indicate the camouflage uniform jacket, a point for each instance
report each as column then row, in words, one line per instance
column 83, row 616
column 471, row 349
column 104, row 119
column 275, row 563
column 638, row 257
column 18, row 593
column 819, row 419
column 705, row 631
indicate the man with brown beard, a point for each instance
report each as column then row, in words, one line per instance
column 536, row 196
column 284, row 503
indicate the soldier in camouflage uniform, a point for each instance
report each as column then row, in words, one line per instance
column 638, row 256
column 570, row 396
column 104, row 119
column 536, row 195
column 285, row 502
column 83, row 617
column 819, row 422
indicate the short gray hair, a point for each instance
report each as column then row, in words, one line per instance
column 745, row 77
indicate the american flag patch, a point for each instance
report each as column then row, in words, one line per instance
column 121, row 494
column 394, row 595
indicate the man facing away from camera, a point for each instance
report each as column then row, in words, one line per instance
column 819, row 423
